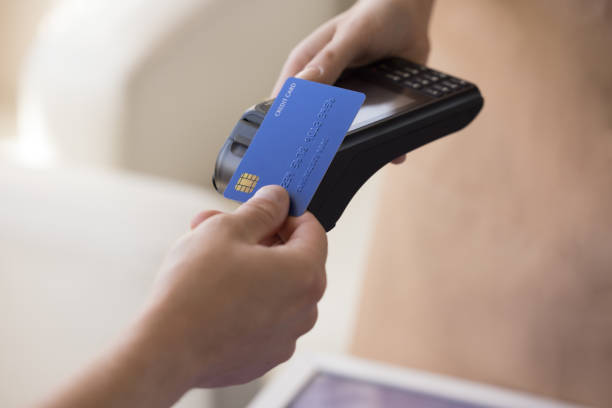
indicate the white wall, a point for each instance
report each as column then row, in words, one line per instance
column 18, row 21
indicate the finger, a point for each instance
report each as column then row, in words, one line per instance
column 201, row 217
column 304, row 234
column 310, row 74
column 308, row 321
column 263, row 215
column 335, row 57
column 272, row 240
column 304, row 52
column 399, row 160
column 418, row 53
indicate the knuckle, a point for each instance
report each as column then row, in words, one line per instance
column 329, row 55
column 357, row 25
column 324, row 242
column 417, row 51
column 422, row 50
column 314, row 284
column 311, row 320
column 298, row 56
column 287, row 352
column 321, row 285
column 222, row 222
column 426, row 46
column 308, row 322
column 263, row 214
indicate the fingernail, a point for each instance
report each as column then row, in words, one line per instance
column 271, row 193
column 311, row 72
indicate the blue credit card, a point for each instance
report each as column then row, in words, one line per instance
column 296, row 142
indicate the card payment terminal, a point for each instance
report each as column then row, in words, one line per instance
column 407, row 106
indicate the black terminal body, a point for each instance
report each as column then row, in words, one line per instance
column 407, row 106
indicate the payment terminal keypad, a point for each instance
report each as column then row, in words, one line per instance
column 417, row 77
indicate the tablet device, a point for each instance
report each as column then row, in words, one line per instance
column 313, row 381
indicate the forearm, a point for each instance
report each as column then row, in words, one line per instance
column 144, row 370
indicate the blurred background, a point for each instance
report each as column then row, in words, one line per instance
column 111, row 116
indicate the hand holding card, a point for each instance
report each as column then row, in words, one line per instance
column 296, row 142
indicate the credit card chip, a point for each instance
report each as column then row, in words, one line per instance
column 246, row 183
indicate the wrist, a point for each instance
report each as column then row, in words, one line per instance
column 141, row 370
column 158, row 350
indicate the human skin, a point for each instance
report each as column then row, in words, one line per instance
column 368, row 31
column 225, row 309
column 496, row 261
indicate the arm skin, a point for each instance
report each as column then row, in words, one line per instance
column 224, row 311
column 368, row 31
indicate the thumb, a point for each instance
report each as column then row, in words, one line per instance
column 310, row 73
column 264, row 214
